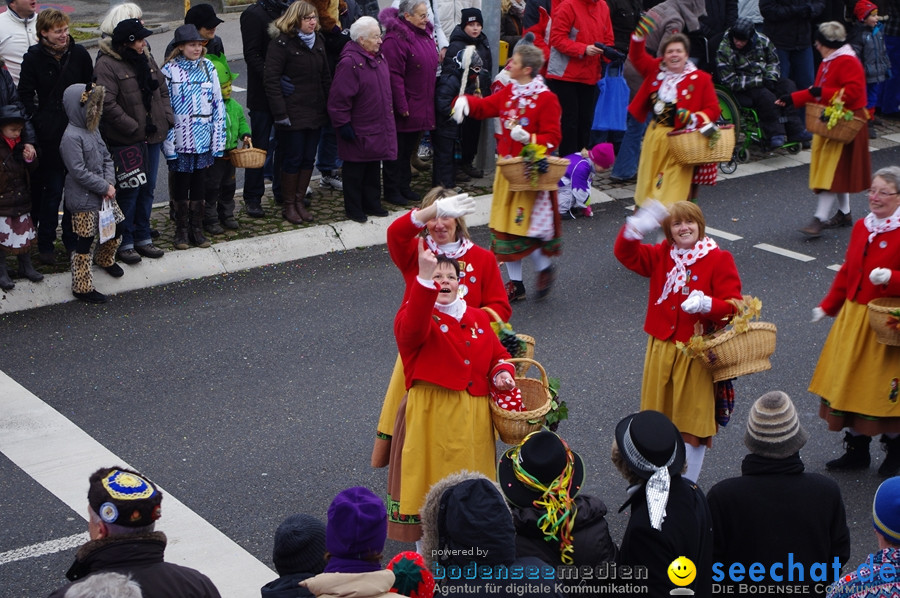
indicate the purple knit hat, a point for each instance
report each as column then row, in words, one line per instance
column 356, row 531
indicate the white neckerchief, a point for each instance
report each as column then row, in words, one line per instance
column 657, row 487
column 677, row 276
column 454, row 310
column 877, row 225
column 454, row 250
column 845, row 50
column 521, row 91
column 668, row 89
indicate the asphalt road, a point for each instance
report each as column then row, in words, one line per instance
column 255, row 395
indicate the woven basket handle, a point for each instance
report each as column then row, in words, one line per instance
column 544, row 380
column 248, row 143
column 493, row 314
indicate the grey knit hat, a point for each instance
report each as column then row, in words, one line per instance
column 773, row 429
column 299, row 545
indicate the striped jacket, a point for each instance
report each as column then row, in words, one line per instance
column 199, row 110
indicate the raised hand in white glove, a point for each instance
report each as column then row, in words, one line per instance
column 460, row 109
column 817, row 314
column 697, row 303
column 646, row 220
column 455, row 206
column 519, row 134
column 880, row 275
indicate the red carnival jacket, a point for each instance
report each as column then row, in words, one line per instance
column 575, row 25
column 541, row 119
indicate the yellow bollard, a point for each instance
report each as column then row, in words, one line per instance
column 503, row 53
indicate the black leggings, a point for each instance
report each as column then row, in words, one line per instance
column 188, row 186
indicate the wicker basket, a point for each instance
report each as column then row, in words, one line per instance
column 249, row 157
column 521, row 367
column 513, row 426
column 880, row 320
column 844, row 131
column 513, row 169
column 691, row 147
column 730, row 354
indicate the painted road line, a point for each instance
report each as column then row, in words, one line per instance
column 784, row 252
column 713, row 232
column 60, row 456
column 835, row 267
column 43, row 548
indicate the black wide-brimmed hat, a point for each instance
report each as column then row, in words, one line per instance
column 543, row 456
column 649, row 440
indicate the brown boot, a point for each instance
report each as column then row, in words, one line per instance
column 813, row 229
column 300, row 195
column 289, row 186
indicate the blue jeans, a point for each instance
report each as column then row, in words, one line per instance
column 797, row 65
column 299, row 149
column 626, row 164
column 51, row 181
column 327, row 158
column 136, row 204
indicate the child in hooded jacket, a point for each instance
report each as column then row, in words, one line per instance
column 17, row 231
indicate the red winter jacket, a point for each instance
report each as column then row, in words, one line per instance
column 576, row 24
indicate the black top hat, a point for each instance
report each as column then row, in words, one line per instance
column 10, row 113
column 130, row 30
column 543, row 456
column 651, row 438
column 202, row 15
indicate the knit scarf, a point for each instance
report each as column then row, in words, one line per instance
column 677, row 276
column 876, row 225
column 668, row 89
column 308, row 38
column 56, row 51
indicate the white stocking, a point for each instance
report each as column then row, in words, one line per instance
column 826, row 205
column 514, row 269
column 694, row 456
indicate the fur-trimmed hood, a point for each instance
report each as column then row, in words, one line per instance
column 106, row 47
column 392, row 22
column 494, row 526
column 86, row 116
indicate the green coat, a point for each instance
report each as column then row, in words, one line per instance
column 235, row 124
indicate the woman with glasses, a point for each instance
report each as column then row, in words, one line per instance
column 857, row 377
column 836, row 170
column 297, row 80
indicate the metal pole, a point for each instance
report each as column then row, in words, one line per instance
column 490, row 11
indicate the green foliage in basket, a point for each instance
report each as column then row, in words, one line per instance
column 558, row 409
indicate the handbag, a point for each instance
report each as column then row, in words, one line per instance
column 131, row 164
column 106, row 222
column 611, row 108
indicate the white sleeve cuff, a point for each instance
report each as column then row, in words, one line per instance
column 428, row 284
column 415, row 220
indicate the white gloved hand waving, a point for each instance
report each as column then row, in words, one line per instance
column 647, row 219
column 455, row 206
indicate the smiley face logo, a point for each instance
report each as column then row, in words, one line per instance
column 682, row 571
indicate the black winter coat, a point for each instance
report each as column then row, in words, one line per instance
column 287, row 586
column 590, row 536
column 459, row 39
column 307, row 68
column 624, row 15
column 774, row 509
column 720, row 15
column 10, row 95
column 788, row 23
column 42, row 81
column 15, row 194
column 141, row 556
column 255, row 22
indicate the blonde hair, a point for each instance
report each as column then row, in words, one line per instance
column 179, row 49
column 462, row 231
column 684, row 210
column 117, row 14
column 49, row 19
column 289, row 22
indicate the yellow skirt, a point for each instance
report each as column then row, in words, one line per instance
column 395, row 391
column 680, row 387
column 856, row 374
column 510, row 210
column 826, row 153
column 659, row 176
column 446, row 431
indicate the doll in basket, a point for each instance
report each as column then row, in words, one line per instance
column 692, row 282
column 452, row 360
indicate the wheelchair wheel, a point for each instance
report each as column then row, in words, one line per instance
column 794, row 148
column 731, row 112
column 743, row 155
column 728, row 167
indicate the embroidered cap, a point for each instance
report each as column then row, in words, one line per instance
column 124, row 497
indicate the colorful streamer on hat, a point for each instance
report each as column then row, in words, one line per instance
column 556, row 499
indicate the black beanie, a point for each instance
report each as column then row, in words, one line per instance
column 470, row 14
column 299, row 545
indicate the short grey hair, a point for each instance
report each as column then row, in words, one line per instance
column 105, row 585
column 890, row 175
column 530, row 55
column 408, row 6
column 833, row 31
column 362, row 27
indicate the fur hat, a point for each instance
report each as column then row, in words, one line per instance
column 123, row 496
column 469, row 15
column 299, row 545
column 886, row 510
column 862, row 9
column 329, row 14
column 773, row 429
column 602, row 155
column 835, row 37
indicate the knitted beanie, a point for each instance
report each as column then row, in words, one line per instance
column 773, row 429
column 299, row 545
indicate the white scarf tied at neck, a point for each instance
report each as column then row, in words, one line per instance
column 876, row 225
column 657, row 487
column 677, row 276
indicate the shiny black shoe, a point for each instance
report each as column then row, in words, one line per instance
column 115, row 270
column 94, row 296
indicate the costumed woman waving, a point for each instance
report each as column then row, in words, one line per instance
column 692, row 281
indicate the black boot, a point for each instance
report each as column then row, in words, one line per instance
column 26, row 270
column 6, row 283
column 182, row 216
column 891, row 464
column 856, row 455
column 195, row 230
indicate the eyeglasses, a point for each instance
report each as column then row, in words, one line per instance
column 882, row 194
column 311, row 18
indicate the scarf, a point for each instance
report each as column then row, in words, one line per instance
column 876, row 225
column 454, row 310
column 308, row 38
column 845, row 50
column 657, row 487
column 668, row 89
column 56, row 51
column 523, row 91
column 677, row 276
column 454, row 250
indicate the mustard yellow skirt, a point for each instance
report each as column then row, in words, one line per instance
column 395, row 391
column 659, row 176
column 857, row 377
column 826, row 153
column 679, row 387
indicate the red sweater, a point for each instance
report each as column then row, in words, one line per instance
column 715, row 275
column 852, row 280
column 479, row 271
column 577, row 24
column 542, row 120
column 696, row 92
column 842, row 72
column 436, row 348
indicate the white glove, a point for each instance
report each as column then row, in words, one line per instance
column 454, row 207
column 696, row 303
column 648, row 218
column 880, row 275
column 460, row 109
column 817, row 314
column 519, row 134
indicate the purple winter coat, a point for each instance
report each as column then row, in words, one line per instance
column 361, row 95
column 413, row 58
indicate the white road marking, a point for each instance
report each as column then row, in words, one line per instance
column 835, row 267
column 784, row 252
column 42, row 548
column 60, row 456
column 722, row 234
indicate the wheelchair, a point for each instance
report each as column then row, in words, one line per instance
column 746, row 121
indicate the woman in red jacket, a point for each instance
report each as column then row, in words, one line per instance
column 452, row 359
column 836, row 170
column 857, row 377
column 691, row 281
column 678, row 94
